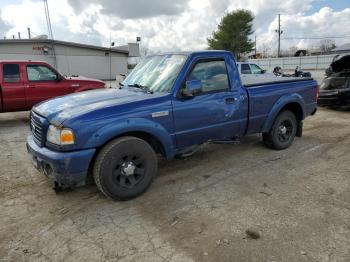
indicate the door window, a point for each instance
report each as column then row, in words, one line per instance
column 245, row 69
column 11, row 73
column 256, row 69
column 212, row 74
column 40, row 73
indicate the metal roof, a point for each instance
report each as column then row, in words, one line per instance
column 59, row 42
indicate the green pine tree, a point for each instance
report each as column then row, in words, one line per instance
column 233, row 33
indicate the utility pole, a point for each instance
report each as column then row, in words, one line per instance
column 255, row 47
column 279, row 32
column 48, row 22
column 19, row 35
column 110, row 59
column 29, row 36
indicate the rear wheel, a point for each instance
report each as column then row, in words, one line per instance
column 283, row 131
column 125, row 168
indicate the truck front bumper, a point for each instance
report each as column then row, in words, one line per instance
column 336, row 97
column 65, row 168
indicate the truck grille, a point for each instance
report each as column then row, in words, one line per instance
column 38, row 128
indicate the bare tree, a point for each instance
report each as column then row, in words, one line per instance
column 326, row 45
column 292, row 50
column 266, row 50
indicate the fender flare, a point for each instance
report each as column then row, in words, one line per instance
column 113, row 130
column 279, row 104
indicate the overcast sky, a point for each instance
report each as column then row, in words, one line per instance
column 175, row 24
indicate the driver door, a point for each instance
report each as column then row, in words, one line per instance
column 214, row 113
column 43, row 83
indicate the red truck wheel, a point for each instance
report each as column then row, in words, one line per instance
column 125, row 168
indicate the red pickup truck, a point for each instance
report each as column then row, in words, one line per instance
column 26, row 83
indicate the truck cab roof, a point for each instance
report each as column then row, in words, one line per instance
column 22, row 61
column 203, row 52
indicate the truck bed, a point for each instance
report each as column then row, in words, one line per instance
column 249, row 82
column 264, row 96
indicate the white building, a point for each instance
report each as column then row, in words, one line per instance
column 72, row 58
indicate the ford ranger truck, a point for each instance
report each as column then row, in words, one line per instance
column 26, row 83
column 168, row 105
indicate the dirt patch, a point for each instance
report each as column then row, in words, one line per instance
column 198, row 209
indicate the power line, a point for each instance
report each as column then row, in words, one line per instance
column 323, row 37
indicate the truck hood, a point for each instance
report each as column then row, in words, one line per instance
column 83, row 78
column 338, row 74
column 340, row 63
column 62, row 108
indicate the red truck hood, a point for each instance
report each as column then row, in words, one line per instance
column 83, row 78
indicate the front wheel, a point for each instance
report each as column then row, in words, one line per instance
column 283, row 131
column 125, row 168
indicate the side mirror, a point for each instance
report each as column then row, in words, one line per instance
column 193, row 87
column 58, row 78
column 328, row 71
column 263, row 71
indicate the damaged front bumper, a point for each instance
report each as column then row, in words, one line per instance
column 65, row 168
column 334, row 97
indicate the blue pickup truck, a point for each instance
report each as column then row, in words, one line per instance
column 168, row 105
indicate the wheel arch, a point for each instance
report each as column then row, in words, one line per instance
column 153, row 133
column 157, row 145
column 152, row 140
column 294, row 103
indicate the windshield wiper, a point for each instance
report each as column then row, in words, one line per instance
column 145, row 88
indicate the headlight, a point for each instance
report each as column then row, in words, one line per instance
column 60, row 136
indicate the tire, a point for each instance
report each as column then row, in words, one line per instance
column 282, row 132
column 125, row 168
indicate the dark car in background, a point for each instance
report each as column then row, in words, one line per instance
column 335, row 87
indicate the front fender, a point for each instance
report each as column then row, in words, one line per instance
column 108, row 132
column 280, row 103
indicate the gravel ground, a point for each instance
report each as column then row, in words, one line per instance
column 295, row 203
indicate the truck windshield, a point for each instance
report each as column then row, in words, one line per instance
column 157, row 73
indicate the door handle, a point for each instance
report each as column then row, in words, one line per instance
column 31, row 86
column 230, row 100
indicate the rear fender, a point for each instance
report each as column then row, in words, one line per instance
column 279, row 105
column 107, row 133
